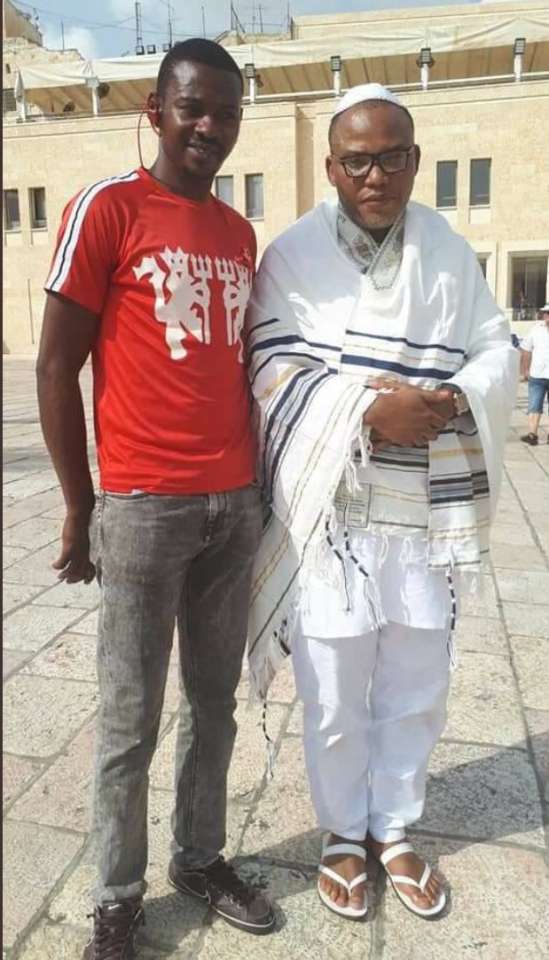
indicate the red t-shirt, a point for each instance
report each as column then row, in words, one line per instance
column 170, row 279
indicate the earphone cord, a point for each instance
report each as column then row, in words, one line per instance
column 141, row 115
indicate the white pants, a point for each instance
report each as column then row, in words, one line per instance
column 375, row 706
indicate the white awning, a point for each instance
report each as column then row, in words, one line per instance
column 372, row 52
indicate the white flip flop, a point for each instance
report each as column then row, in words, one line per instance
column 396, row 851
column 353, row 913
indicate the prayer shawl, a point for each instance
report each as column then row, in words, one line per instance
column 317, row 330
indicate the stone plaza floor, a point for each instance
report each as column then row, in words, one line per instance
column 488, row 790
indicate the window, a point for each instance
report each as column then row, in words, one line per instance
column 9, row 104
column 446, row 183
column 479, row 190
column 482, row 261
column 254, row 196
column 37, row 197
column 12, row 219
column 528, row 285
column 224, row 189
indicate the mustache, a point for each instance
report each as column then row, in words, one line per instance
column 200, row 141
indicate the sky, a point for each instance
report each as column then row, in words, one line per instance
column 106, row 28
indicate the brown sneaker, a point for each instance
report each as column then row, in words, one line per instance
column 239, row 903
column 114, row 929
column 530, row 438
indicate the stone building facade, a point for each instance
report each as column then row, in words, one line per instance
column 485, row 165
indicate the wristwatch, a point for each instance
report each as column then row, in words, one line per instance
column 461, row 404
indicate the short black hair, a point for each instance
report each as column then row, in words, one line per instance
column 197, row 50
column 373, row 103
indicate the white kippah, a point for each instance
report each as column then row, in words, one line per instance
column 365, row 91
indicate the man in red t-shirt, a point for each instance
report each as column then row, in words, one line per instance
column 152, row 275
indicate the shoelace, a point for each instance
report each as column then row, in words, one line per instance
column 227, row 880
column 113, row 931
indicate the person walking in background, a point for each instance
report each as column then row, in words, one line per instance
column 534, row 367
column 152, row 276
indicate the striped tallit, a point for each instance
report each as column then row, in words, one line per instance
column 317, row 331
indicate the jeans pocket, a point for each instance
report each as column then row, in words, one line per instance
column 94, row 529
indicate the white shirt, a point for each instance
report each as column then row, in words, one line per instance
column 408, row 591
column 536, row 342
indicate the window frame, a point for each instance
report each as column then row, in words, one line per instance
column 8, row 223
column 446, row 206
column 482, row 259
column 226, row 177
column 248, row 179
column 472, row 201
column 37, row 223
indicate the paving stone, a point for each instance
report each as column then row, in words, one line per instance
column 527, row 619
column 62, row 796
column 249, row 763
column 12, row 660
column 282, row 825
column 27, row 486
column 34, row 859
column 71, row 656
column 507, row 555
column 517, row 534
column 483, row 603
column 532, row 487
column 18, row 772
column 295, row 724
column 20, row 510
column 172, row 694
column 542, row 534
column 11, row 555
column 33, row 626
column 86, row 595
column 88, row 625
column 41, row 714
column 32, row 534
column 484, row 705
column 483, row 793
column 56, row 513
column 305, row 928
column 52, row 942
column 531, row 659
column 498, row 911
column 538, row 729
column 15, row 594
column 475, row 788
column 36, row 568
column 509, row 512
column 530, row 587
column 481, row 635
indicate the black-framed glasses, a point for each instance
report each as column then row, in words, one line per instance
column 390, row 161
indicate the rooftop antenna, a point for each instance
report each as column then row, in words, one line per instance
column 62, row 36
column 260, row 10
column 203, row 22
column 138, row 29
column 236, row 24
column 170, row 29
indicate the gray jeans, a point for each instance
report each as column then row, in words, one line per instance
column 163, row 559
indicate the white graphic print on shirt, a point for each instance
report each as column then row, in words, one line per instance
column 236, row 294
column 182, row 296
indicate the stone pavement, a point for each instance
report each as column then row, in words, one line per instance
column 488, row 785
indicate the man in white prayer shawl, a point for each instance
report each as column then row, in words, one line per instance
column 384, row 378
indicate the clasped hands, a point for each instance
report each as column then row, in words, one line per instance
column 407, row 416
